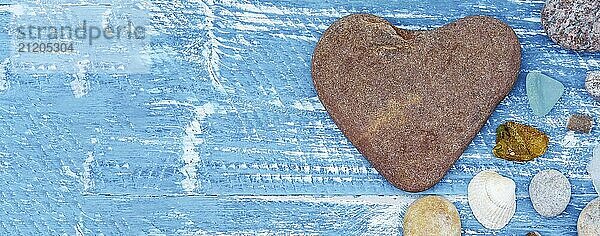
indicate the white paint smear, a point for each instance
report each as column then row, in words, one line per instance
column 305, row 106
column 248, row 27
column 344, row 200
column 522, row 32
column 386, row 221
column 570, row 140
column 258, row 8
column 66, row 170
column 528, row 1
column 296, row 37
column 309, row 104
column 4, row 83
column 86, row 177
column 210, row 49
column 532, row 19
column 80, row 85
column 17, row 9
column 191, row 157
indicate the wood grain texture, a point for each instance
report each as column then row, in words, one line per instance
column 225, row 134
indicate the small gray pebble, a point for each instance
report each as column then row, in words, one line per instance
column 592, row 84
column 550, row 192
column 588, row 223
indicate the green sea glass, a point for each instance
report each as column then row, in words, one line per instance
column 543, row 92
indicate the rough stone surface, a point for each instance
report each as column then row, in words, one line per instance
column 412, row 101
column 580, row 123
column 573, row 24
column 432, row 216
column 550, row 192
column 519, row 142
column 592, row 84
column 588, row 223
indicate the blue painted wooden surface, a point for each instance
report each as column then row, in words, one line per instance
column 225, row 135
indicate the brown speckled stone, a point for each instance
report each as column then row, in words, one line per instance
column 573, row 24
column 580, row 123
column 412, row 101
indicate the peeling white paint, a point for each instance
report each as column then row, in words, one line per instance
column 532, row 19
column 248, row 27
column 296, row 37
column 276, row 102
column 570, row 140
column 66, row 170
column 191, row 157
column 387, row 221
column 210, row 48
column 407, row 15
column 4, row 83
column 343, row 200
column 305, row 106
column 80, row 85
column 86, row 177
column 309, row 104
column 523, row 32
column 106, row 18
column 265, row 9
column 528, row 1
column 16, row 9
column 170, row 102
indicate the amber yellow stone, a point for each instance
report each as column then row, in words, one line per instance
column 519, row 142
column 431, row 216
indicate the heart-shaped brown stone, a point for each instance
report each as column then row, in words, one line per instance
column 412, row 101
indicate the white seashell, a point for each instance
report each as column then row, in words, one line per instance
column 492, row 199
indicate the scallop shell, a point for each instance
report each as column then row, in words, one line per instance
column 492, row 199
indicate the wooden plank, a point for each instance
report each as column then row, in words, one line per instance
column 225, row 134
column 299, row 214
